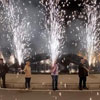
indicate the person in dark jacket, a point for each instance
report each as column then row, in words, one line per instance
column 83, row 73
column 3, row 71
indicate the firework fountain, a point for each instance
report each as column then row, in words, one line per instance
column 18, row 26
column 91, row 32
column 55, row 28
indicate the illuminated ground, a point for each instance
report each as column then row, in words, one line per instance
column 48, row 95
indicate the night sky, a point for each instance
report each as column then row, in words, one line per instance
column 39, row 44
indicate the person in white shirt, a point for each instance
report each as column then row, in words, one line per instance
column 54, row 74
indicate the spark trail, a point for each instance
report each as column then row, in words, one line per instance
column 91, row 32
column 19, row 27
column 55, row 28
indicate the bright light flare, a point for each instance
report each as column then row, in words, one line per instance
column 55, row 28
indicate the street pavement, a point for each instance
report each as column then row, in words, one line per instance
column 9, row 94
column 44, row 81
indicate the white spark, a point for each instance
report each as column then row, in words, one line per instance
column 91, row 31
column 60, row 94
column 55, row 29
column 98, row 93
column 19, row 29
column 90, row 98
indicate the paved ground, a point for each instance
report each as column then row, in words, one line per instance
column 40, row 78
column 39, row 81
column 48, row 95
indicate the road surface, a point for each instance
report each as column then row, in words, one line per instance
column 48, row 95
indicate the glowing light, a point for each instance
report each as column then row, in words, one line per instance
column 54, row 27
column 50, row 92
column 65, row 85
column 60, row 94
column 19, row 28
column 12, row 59
column 72, row 71
column 98, row 93
column 91, row 31
column 1, row 56
column 90, row 98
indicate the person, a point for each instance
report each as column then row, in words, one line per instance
column 27, row 71
column 54, row 74
column 83, row 73
column 3, row 71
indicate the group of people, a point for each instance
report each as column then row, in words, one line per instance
column 83, row 73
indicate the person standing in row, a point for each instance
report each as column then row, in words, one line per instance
column 3, row 71
column 83, row 73
column 54, row 75
column 27, row 71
